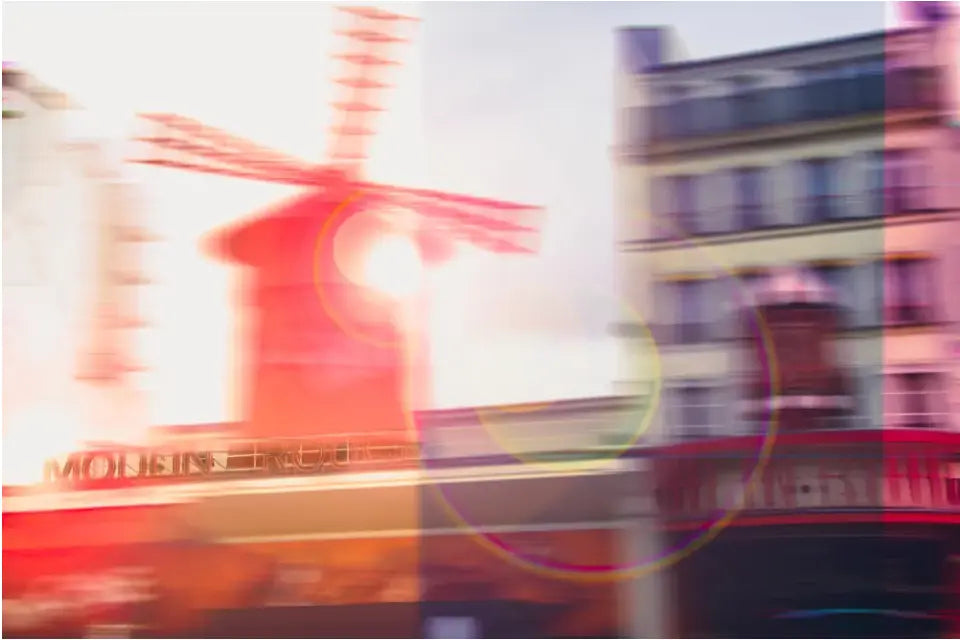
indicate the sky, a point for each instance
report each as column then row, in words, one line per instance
column 505, row 100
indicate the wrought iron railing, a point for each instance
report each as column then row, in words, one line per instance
column 900, row 89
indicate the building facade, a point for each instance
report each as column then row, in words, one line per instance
column 72, row 237
column 214, row 536
column 833, row 160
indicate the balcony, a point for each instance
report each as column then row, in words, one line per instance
column 692, row 333
column 678, row 224
column 697, row 118
column 899, row 200
column 907, row 314
column 822, row 209
column 751, row 216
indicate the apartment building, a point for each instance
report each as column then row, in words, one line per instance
column 831, row 156
column 788, row 222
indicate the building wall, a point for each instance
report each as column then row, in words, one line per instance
column 63, row 212
column 860, row 238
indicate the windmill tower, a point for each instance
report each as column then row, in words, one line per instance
column 328, row 352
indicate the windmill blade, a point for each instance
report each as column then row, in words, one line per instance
column 194, row 129
column 370, row 36
column 372, row 13
column 175, row 141
column 366, row 60
column 493, row 225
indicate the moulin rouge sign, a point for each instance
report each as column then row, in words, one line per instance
column 265, row 458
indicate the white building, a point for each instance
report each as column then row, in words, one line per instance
column 68, row 220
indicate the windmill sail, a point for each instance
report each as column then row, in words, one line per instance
column 368, row 44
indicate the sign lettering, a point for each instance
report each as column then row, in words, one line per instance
column 297, row 458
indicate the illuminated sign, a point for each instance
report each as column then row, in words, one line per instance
column 812, row 485
column 271, row 458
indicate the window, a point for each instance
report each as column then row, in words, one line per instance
column 908, row 291
column 867, row 284
column 875, row 178
column 635, row 127
column 661, row 204
column 870, row 399
column 871, row 67
column 691, row 307
column 721, row 305
column 903, row 182
column 871, row 83
column 696, row 410
column 820, row 97
column 910, row 86
column 452, row 627
column 677, row 103
column 745, row 101
column 839, row 279
column 915, row 400
column 749, row 198
column 684, row 206
column 821, row 189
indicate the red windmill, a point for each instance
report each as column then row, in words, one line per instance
column 326, row 355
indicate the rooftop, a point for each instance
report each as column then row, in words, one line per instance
column 633, row 33
column 19, row 80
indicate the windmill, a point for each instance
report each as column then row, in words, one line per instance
column 326, row 354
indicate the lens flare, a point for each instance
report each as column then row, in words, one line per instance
column 392, row 266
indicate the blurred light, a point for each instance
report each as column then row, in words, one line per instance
column 375, row 250
column 392, row 265
column 36, row 435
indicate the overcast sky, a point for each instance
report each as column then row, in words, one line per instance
column 509, row 100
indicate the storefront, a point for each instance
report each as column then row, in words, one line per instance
column 387, row 551
column 845, row 534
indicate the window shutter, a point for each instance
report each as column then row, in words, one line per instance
column 871, row 399
column 706, row 203
column 664, row 304
column 670, row 415
column 915, row 177
column 787, row 187
column 693, row 223
column 717, row 199
column 867, row 299
column 940, row 399
column 846, row 293
column 768, row 195
column 872, row 198
column 658, row 207
column 726, row 408
column 723, row 306
column 949, row 301
column 706, row 415
column 891, row 273
column 637, row 126
column 928, row 274
column 893, row 401
column 851, row 172
column 671, row 205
